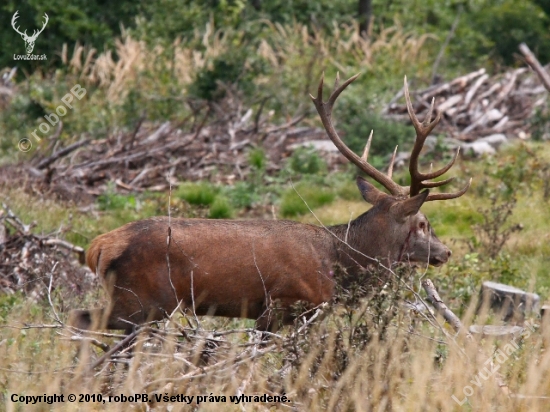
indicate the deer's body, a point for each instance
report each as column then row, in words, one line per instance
column 223, row 267
column 238, row 268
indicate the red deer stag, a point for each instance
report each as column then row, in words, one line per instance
column 237, row 268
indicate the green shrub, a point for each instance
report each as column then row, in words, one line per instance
column 306, row 160
column 238, row 68
column 257, row 158
column 220, row 209
column 524, row 22
column 347, row 189
column 8, row 303
column 202, row 194
column 115, row 201
column 242, row 194
column 540, row 124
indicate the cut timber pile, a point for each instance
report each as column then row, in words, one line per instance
column 476, row 105
column 213, row 144
column 39, row 265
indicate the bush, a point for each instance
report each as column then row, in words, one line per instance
column 237, row 68
column 220, row 209
column 115, row 201
column 202, row 194
column 524, row 22
column 257, row 158
column 306, row 160
column 242, row 195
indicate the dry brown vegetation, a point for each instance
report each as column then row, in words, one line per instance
column 365, row 351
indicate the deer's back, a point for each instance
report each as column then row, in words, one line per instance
column 215, row 262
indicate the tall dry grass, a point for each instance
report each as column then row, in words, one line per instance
column 364, row 352
column 293, row 52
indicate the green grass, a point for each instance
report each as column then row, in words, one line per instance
column 298, row 200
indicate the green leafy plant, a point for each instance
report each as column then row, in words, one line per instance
column 493, row 232
column 220, row 209
column 202, row 194
column 306, row 160
column 115, row 201
column 356, row 120
column 257, row 159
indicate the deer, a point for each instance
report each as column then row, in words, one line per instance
column 29, row 40
column 237, row 268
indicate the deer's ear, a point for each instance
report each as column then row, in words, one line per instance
column 369, row 192
column 409, row 207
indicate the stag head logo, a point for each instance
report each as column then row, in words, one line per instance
column 29, row 40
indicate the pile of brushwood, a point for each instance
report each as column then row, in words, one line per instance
column 37, row 265
column 212, row 144
column 477, row 105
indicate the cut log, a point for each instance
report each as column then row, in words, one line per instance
column 509, row 301
column 495, row 330
column 534, row 63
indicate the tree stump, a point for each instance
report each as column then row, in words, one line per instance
column 510, row 302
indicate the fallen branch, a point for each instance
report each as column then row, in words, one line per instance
column 440, row 306
column 120, row 345
column 66, row 245
column 535, row 65
column 63, row 152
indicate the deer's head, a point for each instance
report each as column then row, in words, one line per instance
column 29, row 40
column 401, row 231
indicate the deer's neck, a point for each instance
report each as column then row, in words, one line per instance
column 361, row 242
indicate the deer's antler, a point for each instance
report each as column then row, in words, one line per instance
column 418, row 179
column 325, row 112
column 37, row 32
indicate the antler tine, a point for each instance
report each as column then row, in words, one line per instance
column 437, row 173
column 445, row 196
column 429, row 185
column 392, row 161
column 319, row 89
column 428, row 117
column 365, row 154
column 339, row 89
column 418, row 179
column 325, row 112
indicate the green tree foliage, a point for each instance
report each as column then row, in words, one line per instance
column 487, row 30
column 509, row 23
column 94, row 23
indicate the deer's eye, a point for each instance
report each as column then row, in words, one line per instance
column 422, row 225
